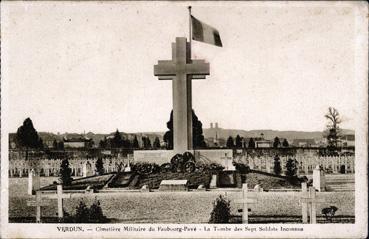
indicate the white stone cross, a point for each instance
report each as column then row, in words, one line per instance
column 38, row 203
column 60, row 196
column 308, row 202
column 181, row 70
column 33, row 181
column 228, row 163
column 244, row 201
column 319, row 178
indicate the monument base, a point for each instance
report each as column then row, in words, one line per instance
column 163, row 156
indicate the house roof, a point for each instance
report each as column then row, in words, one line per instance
column 349, row 137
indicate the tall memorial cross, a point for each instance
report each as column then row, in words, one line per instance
column 245, row 201
column 309, row 202
column 181, row 70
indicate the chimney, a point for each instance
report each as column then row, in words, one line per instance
column 211, row 125
column 216, row 125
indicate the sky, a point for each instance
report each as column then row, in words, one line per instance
column 88, row 66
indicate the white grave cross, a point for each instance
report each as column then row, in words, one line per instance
column 60, row 196
column 228, row 163
column 244, row 201
column 309, row 202
column 181, row 70
column 38, row 203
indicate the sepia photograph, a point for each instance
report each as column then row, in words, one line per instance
column 184, row 119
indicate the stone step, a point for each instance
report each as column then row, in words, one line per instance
column 340, row 175
column 341, row 185
column 340, row 178
column 341, row 188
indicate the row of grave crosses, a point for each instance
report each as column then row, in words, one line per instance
column 308, row 202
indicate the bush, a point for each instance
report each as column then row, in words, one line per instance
column 94, row 214
column 221, row 211
column 329, row 212
column 99, row 166
column 242, row 168
column 291, row 168
column 65, row 173
column 82, row 213
column 67, row 218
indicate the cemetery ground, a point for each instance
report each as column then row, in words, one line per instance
column 193, row 206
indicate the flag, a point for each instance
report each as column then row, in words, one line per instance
column 205, row 33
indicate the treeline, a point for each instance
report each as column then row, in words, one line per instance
column 117, row 141
column 240, row 142
column 27, row 138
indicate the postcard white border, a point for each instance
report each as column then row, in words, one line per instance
column 357, row 230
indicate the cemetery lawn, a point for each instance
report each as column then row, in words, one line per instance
column 180, row 207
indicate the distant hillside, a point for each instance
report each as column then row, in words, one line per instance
column 208, row 133
column 268, row 134
column 96, row 137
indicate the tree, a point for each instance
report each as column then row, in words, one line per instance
column 135, row 144
column 251, row 143
column 82, row 213
column 103, row 143
column 276, row 142
column 156, row 144
column 55, row 144
column 61, row 145
column 333, row 130
column 27, row 136
column 99, row 166
column 238, row 141
column 198, row 140
column 230, row 142
column 117, row 140
column 291, row 168
column 126, row 143
column 96, row 214
column 168, row 136
column 65, row 173
column 146, row 142
column 221, row 211
column 285, row 143
column 277, row 165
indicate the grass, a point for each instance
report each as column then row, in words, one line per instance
column 177, row 207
